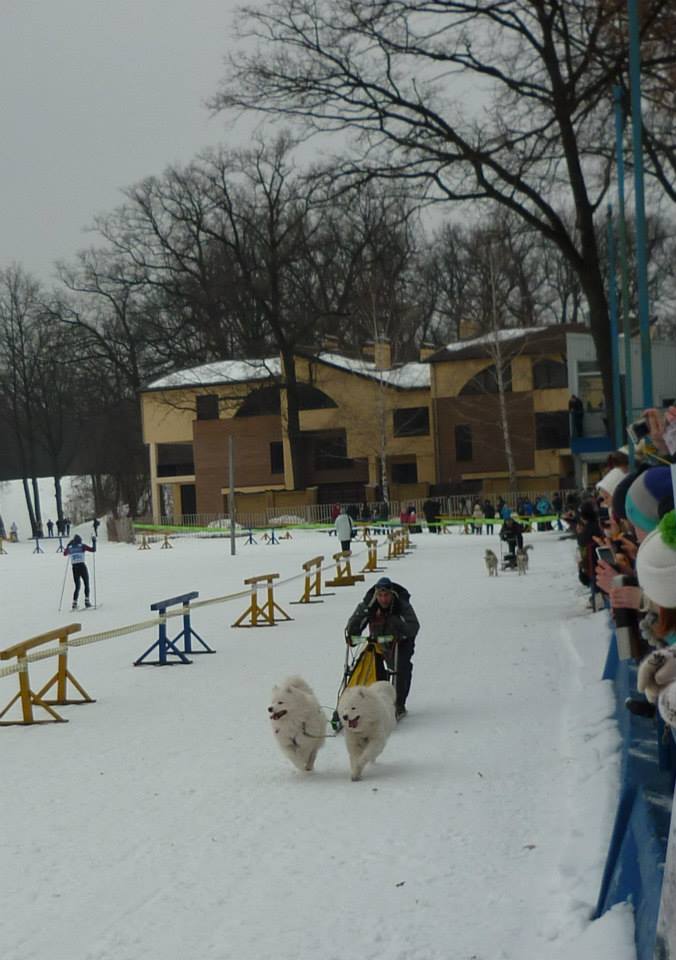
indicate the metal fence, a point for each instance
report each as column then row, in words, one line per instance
column 320, row 514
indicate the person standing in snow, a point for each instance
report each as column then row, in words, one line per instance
column 344, row 529
column 387, row 612
column 76, row 550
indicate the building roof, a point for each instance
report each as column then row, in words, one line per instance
column 551, row 338
column 222, row 371
column 409, row 376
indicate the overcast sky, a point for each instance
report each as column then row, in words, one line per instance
column 97, row 94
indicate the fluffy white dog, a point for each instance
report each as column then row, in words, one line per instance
column 368, row 719
column 297, row 722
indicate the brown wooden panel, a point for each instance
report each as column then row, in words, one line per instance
column 252, row 436
column 482, row 414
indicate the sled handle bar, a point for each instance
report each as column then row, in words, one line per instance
column 356, row 639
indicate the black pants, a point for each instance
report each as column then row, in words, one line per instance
column 489, row 527
column 80, row 574
column 404, row 656
column 345, row 545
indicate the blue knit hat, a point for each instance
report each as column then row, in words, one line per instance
column 384, row 584
column 647, row 497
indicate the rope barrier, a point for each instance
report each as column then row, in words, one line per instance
column 131, row 628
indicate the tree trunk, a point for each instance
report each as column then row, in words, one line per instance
column 29, row 505
column 290, row 386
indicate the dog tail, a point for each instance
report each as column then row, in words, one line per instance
column 297, row 683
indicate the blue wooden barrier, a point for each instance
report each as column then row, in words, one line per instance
column 635, row 860
column 165, row 646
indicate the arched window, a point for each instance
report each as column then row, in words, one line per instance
column 265, row 401
column 486, row 381
column 549, row 374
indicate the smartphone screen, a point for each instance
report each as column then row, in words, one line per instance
column 606, row 555
column 638, row 430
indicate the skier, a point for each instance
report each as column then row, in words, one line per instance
column 76, row 551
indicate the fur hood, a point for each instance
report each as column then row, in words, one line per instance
column 400, row 594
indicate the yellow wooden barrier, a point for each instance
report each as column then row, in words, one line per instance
column 166, row 545
column 313, row 581
column 371, row 564
column 344, row 576
column 262, row 615
column 28, row 698
column 2, row 547
column 144, row 543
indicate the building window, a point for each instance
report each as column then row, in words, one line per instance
column 175, row 460
column 486, row 381
column 330, row 453
column 552, row 430
column 277, row 457
column 463, row 442
column 412, row 422
column 207, row 407
column 549, row 375
column 404, row 472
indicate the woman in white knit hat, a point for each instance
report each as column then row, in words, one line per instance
column 656, row 571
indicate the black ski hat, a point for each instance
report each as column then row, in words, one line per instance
column 77, row 538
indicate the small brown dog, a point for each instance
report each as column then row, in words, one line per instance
column 491, row 561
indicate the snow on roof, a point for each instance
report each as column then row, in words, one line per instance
column 224, row 371
column 503, row 335
column 407, row 377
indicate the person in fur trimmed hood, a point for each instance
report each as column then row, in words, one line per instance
column 387, row 612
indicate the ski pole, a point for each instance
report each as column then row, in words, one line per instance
column 94, row 571
column 63, row 585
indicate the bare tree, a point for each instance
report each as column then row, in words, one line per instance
column 384, row 71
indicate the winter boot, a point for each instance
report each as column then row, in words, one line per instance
column 87, row 603
column 74, row 605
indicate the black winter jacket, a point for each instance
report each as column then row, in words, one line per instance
column 400, row 621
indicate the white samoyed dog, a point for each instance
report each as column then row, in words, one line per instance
column 368, row 719
column 297, row 722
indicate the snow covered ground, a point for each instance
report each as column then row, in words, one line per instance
column 162, row 822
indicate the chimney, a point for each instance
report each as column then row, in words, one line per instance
column 468, row 329
column 330, row 343
column 382, row 354
column 426, row 350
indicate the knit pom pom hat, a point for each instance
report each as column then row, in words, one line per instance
column 656, row 563
column 644, row 496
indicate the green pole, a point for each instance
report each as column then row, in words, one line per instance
column 639, row 194
column 618, row 97
column 614, row 347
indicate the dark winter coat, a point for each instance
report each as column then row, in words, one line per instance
column 399, row 621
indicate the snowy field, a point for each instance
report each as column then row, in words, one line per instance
column 162, row 822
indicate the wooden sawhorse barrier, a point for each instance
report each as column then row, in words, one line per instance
column 166, row 545
column 344, row 576
column 371, row 565
column 165, row 646
column 313, row 582
column 144, row 543
column 28, row 698
column 394, row 545
column 262, row 615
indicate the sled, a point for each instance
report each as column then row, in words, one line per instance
column 507, row 557
column 360, row 669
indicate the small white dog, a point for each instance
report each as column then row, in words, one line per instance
column 491, row 563
column 368, row 719
column 297, row 721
